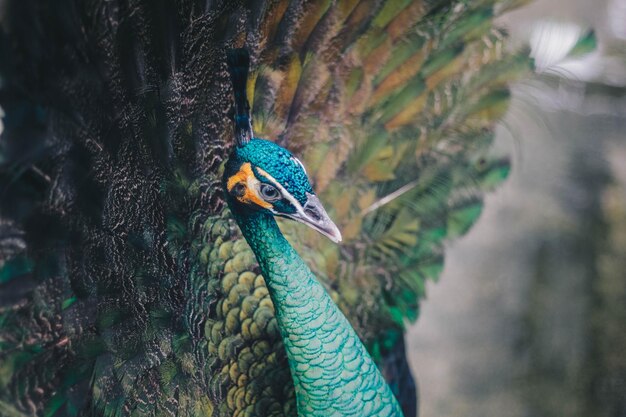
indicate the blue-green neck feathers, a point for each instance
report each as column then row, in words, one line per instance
column 333, row 373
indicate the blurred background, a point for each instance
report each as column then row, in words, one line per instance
column 529, row 317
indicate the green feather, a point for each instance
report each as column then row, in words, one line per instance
column 132, row 291
column 15, row 268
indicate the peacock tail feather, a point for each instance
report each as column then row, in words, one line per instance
column 126, row 288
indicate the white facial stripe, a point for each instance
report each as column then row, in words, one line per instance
column 323, row 225
column 253, row 183
column 283, row 191
column 297, row 161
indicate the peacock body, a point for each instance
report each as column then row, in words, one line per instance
column 332, row 372
column 127, row 287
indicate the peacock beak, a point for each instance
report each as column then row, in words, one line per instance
column 314, row 216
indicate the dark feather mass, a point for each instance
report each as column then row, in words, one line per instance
column 126, row 287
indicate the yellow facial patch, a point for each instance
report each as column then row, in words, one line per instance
column 246, row 178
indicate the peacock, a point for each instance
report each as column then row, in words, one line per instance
column 332, row 372
column 142, row 270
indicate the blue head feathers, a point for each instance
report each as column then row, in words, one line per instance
column 262, row 175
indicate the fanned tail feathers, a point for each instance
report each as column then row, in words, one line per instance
column 125, row 286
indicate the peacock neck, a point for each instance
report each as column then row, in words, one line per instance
column 332, row 372
column 279, row 262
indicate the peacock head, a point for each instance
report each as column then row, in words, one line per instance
column 262, row 175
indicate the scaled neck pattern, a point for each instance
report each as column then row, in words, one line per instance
column 332, row 372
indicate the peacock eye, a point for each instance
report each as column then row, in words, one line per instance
column 269, row 193
column 238, row 190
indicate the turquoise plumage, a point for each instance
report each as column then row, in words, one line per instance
column 333, row 373
column 127, row 287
